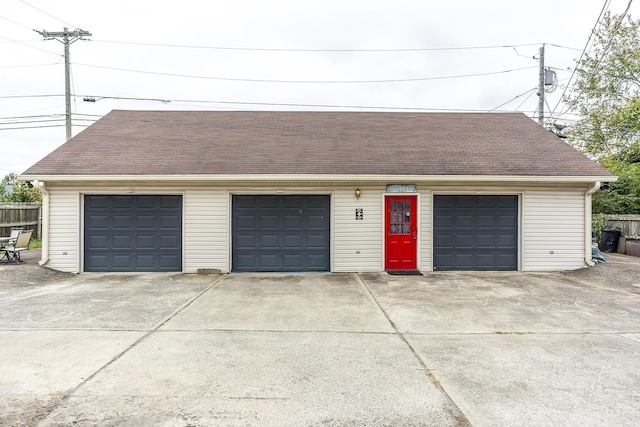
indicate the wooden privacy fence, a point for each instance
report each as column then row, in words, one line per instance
column 629, row 225
column 27, row 216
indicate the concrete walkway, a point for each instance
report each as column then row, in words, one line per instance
column 444, row 349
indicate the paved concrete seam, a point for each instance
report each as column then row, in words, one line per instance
column 131, row 346
column 517, row 333
column 464, row 421
column 279, row 331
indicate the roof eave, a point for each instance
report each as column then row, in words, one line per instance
column 321, row 178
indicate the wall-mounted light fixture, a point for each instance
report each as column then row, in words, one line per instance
column 357, row 193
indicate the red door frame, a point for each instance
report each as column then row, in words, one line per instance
column 401, row 232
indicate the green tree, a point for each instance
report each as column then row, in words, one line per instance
column 14, row 190
column 607, row 97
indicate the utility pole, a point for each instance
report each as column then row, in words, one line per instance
column 541, row 88
column 66, row 37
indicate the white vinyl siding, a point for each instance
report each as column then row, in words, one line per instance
column 206, row 230
column 553, row 230
column 357, row 244
column 64, row 231
column 425, row 231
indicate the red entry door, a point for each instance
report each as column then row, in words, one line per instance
column 401, row 232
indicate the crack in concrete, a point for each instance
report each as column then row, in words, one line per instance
column 460, row 416
column 118, row 356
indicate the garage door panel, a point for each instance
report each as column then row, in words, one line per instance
column 508, row 202
column 269, row 221
column 266, row 202
column 122, row 261
column 246, row 221
column 292, row 261
column 509, row 221
column 137, row 233
column 475, row 232
column 464, row 260
column 170, row 262
column 120, row 202
column 483, row 261
column 145, row 242
column 507, row 241
column 98, row 222
column 443, row 221
column 506, row 261
column 98, row 261
column 316, row 241
column 443, row 241
column 246, row 241
column 170, row 222
column 292, row 222
column 291, row 234
column 97, row 242
column 121, row 242
column 465, row 221
column 486, row 241
column 270, row 261
column 463, row 241
column 486, row 221
column 292, row 241
column 169, row 242
column 485, row 202
column 269, row 242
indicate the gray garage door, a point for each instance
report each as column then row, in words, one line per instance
column 132, row 233
column 281, row 233
column 475, row 232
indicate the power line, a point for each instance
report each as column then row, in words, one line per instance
column 29, row 96
column 276, row 104
column 33, row 127
column 264, row 49
column 29, row 46
column 28, row 65
column 512, row 99
column 305, row 81
column 15, row 23
column 48, row 14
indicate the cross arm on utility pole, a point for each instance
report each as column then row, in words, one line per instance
column 66, row 37
column 54, row 35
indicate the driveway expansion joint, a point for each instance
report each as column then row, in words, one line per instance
column 69, row 393
column 462, row 418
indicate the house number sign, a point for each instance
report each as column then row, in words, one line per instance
column 401, row 188
column 359, row 215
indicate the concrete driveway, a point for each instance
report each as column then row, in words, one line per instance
column 443, row 349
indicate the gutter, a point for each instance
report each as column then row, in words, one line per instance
column 322, row 178
column 41, row 186
column 587, row 223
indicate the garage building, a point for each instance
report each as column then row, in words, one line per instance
column 315, row 191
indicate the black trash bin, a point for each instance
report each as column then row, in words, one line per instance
column 609, row 239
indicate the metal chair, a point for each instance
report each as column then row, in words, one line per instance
column 13, row 249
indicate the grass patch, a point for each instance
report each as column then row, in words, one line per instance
column 35, row 244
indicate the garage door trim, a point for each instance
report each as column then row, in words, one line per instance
column 252, row 193
column 519, row 220
column 82, row 237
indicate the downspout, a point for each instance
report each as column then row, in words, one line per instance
column 41, row 186
column 587, row 223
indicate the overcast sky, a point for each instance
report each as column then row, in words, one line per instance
column 422, row 55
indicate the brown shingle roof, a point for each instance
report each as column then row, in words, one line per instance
column 212, row 142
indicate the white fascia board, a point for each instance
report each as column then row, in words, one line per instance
column 319, row 178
